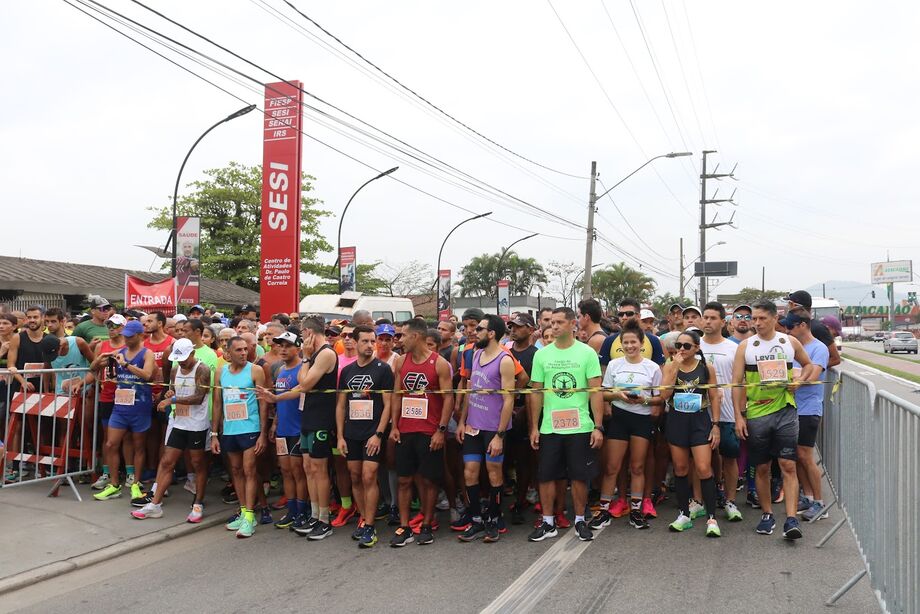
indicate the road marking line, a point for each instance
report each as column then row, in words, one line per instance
column 894, row 378
column 524, row 593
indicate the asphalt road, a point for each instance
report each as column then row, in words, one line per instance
column 877, row 348
column 902, row 388
column 647, row 571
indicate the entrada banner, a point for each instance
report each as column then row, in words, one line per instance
column 188, row 268
column 150, row 295
column 279, row 270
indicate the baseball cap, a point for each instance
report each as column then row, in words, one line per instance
column 473, row 314
column 196, row 308
column 287, row 336
column 645, row 314
column 692, row 308
column 523, row 319
column 181, row 349
column 678, row 305
column 247, row 308
column 385, row 329
column 333, row 330
column 50, row 347
column 117, row 319
column 133, row 328
column 179, row 317
column 96, row 301
column 792, row 319
column 737, row 307
column 799, row 297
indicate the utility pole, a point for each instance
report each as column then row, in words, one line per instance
column 681, row 293
column 704, row 290
column 763, row 279
column 589, row 242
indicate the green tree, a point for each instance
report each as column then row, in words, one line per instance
column 479, row 276
column 366, row 280
column 620, row 281
column 229, row 204
column 661, row 302
column 749, row 295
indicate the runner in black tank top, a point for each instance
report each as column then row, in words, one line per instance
column 29, row 353
column 690, row 425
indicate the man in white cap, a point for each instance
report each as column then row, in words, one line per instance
column 647, row 321
column 187, row 430
column 693, row 317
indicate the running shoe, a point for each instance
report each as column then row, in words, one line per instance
column 804, row 504
column 619, row 508
column 584, row 533
column 637, row 519
column 500, row 525
column 368, row 537
column 682, row 523
column 110, row 492
column 532, row 496
column 402, row 537
column 299, row 522
column 191, row 486
column 443, row 504
column 517, row 516
column 740, row 484
column 425, row 536
column 148, row 511
column 383, row 510
column 334, row 507
column 696, row 510
column 130, row 480
column 230, row 498
column 766, row 525
column 562, row 522
column 304, row 529
column 461, row 524
column 393, row 520
column 321, row 530
column 732, row 512
column 101, row 482
column 475, row 531
column 233, row 518
column 544, row 531
column 712, row 528
column 791, row 528
column 812, row 513
column 142, row 500
column 265, row 517
column 234, row 525
column 280, row 504
column 285, row 522
column 247, row 528
column 195, row 515
column 359, row 530
column 720, row 497
column 136, row 491
column 778, row 493
column 538, row 508
column 600, row 520
column 415, row 505
column 418, row 527
column 753, row 500
column 648, row 508
column 493, row 533
column 344, row 516
column 417, row 520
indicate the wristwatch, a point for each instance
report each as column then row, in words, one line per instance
column 442, row 428
column 500, row 434
column 379, row 434
column 599, row 427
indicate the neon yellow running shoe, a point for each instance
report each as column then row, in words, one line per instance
column 109, row 492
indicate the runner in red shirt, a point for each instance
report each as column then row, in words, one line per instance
column 160, row 344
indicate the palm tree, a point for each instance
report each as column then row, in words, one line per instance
column 616, row 282
column 479, row 276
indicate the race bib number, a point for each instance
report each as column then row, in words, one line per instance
column 470, row 431
column 566, row 419
column 688, row 402
column 281, row 446
column 360, row 410
column 183, row 410
column 124, row 396
column 772, row 370
column 414, row 408
column 235, row 406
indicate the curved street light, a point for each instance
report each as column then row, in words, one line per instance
column 338, row 249
column 498, row 268
column 172, row 235
column 444, row 242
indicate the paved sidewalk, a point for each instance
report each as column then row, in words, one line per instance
column 883, row 359
column 58, row 534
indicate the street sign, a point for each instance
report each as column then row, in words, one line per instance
column 716, row 269
column 892, row 271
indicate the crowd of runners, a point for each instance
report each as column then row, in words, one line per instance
column 581, row 417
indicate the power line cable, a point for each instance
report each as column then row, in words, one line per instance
column 683, row 73
column 699, row 70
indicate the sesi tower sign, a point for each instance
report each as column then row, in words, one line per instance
column 279, row 271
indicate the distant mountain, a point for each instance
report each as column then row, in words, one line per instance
column 853, row 293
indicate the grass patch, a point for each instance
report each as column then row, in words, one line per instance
column 896, row 372
column 904, row 357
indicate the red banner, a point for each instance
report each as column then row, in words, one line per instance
column 444, row 294
column 188, row 259
column 279, row 289
column 150, row 295
column 348, row 271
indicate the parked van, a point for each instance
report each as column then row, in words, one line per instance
column 344, row 306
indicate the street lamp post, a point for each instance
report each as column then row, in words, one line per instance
column 338, row 249
column 575, row 283
column 592, row 204
column 501, row 259
column 444, row 242
column 172, row 236
column 684, row 268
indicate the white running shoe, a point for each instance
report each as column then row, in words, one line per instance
column 130, row 480
column 195, row 515
column 102, row 482
column 191, row 487
column 150, row 510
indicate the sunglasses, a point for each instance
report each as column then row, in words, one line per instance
column 683, row 346
column 625, row 314
column 398, row 336
column 745, row 316
column 105, row 308
column 480, row 329
column 112, row 325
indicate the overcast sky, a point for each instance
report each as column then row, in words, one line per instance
column 815, row 101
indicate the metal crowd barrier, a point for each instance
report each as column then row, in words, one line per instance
column 870, row 448
column 49, row 433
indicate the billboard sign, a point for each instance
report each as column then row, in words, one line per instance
column 150, row 295
column 444, row 294
column 504, row 299
column 892, row 271
column 188, row 258
column 279, row 270
column 348, row 269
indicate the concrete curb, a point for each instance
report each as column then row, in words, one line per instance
column 81, row 561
